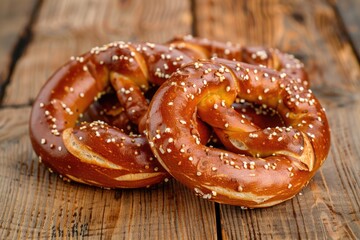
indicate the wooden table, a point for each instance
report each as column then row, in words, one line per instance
column 37, row 36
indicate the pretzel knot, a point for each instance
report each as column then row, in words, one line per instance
column 261, row 167
column 87, row 122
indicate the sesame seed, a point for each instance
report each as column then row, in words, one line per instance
column 43, row 141
column 182, row 122
column 198, row 173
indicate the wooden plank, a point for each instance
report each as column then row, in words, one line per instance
column 37, row 204
column 349, row 11
column 14, row 17
column 329, row 206
column 67, row 28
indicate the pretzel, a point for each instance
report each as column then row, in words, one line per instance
column 97, row 153
column 265, row 166
column 110, row 87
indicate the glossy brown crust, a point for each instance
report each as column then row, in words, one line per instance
column 129, row 69
column 203, row 48
column 277, row 162
column 91, row 154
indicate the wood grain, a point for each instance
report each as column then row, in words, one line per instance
column 329, row 206
column 68, row 28
column 14, row 19
column 349, row 12
column 35, row 204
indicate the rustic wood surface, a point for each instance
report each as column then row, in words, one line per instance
column 38, row 36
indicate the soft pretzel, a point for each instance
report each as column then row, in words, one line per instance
column 97, row 153
column 102, row 153
column 265, row 166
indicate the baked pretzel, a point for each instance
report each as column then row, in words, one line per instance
column 265, row 166
column 113, row 152
column 97, row 153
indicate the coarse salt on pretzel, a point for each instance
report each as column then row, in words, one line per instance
column 203, row 48
column 266, row 166
column 97, row 153
column 102, row 153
